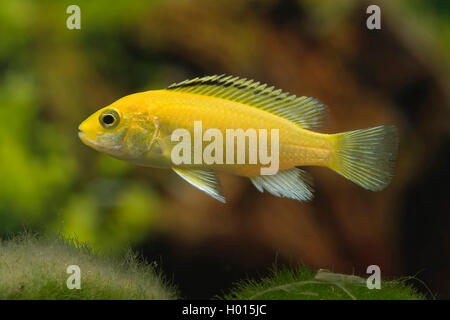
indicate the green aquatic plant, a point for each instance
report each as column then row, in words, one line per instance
column 305, row 284
column 34, row 267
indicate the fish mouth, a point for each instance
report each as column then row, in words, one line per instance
column 83, row 137
column 95, row 145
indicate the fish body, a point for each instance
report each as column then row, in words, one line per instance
column 138, row 128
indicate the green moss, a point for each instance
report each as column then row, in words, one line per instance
column 304, row 284
column 36, row 268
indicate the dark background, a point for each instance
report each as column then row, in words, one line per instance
column 52, row 78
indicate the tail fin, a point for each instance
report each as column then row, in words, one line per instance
column 366, row 156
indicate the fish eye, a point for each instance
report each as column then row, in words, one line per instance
column 109, row 119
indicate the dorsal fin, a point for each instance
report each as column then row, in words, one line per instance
column 306, row 112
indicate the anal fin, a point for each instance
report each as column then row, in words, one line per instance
column 205, row 180
column 293, row 183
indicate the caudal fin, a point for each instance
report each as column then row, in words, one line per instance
column 366, row 156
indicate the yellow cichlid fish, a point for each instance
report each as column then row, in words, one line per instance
column 138, row 128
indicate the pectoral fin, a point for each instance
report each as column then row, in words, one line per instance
column 205, row 180
column 160, row 141
column 292, row 183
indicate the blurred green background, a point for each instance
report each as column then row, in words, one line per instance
column 52, row 78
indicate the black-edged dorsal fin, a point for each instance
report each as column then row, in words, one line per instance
column 306, row 112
